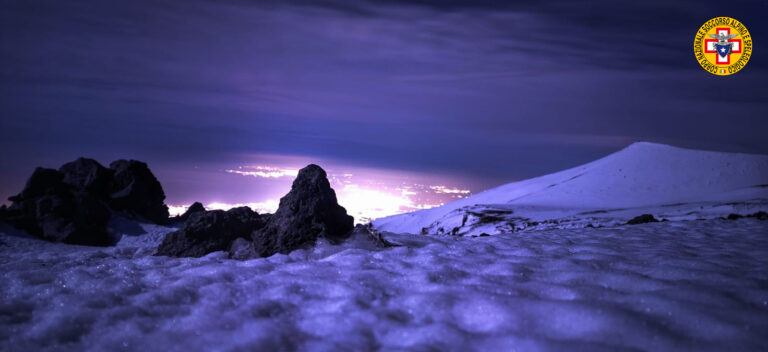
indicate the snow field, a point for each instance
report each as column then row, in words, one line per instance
column 697, row 285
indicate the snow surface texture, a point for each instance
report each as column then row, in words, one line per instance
column 693, row 285
column 668, row 182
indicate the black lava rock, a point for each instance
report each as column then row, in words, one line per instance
column 75, row 203
column 642, row 219
column 308, row 212
column 733, row 216
column 196, row 207
column 54, row 210
column 760, row 215
column 88, row 175
column 43, row 181
column 136, row 191
column 242, row 249
column 210, row 231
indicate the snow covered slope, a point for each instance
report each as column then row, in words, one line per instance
column 674, row 286
column 669, row 182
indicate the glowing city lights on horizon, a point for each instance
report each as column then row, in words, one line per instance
column 365, row 198
column 264, row 171
column 443, row 189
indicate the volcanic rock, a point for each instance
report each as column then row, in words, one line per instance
column 196, row 207
column 308, row 212
column 642, row 219
column 56, row 211
column 210, row 231
column 75, row 203
column 242, row 249
column 136, row 191
column 88, row 175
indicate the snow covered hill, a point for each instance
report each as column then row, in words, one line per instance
column 668, row 182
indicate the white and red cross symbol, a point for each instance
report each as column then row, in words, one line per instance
column 709, row 47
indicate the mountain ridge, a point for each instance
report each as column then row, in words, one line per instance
column 642, row 175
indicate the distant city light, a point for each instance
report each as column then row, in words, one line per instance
column 264, row 171
column 365, row 196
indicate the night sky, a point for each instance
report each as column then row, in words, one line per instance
column 478, row 91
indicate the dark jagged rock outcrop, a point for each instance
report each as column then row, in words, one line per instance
column 74, row 203
column 210, row 231
column 88, row 175
column 127, row 186
column 308, row 212
column 242, row 248
column 642, row 219
column 54, row 210
column 196, row 207
column 136, row 191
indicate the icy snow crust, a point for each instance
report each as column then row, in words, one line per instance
column 693, row 285
column 668, row 182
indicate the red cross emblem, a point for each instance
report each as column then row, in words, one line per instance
column 709, row 46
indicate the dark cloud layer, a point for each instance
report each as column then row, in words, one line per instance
column 501, row 90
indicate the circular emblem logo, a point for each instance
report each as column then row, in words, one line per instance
column 722, row 46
